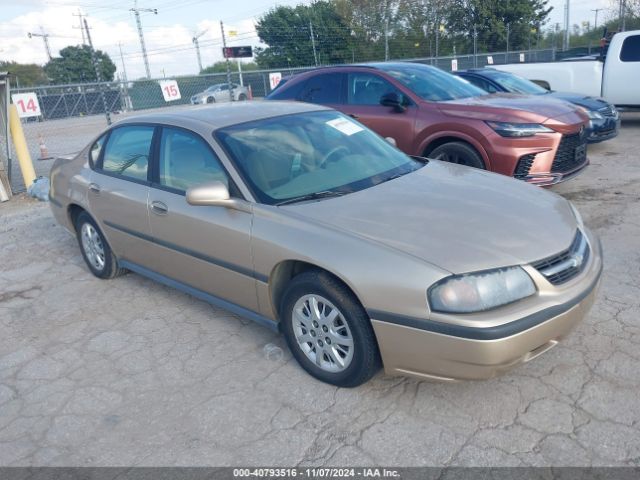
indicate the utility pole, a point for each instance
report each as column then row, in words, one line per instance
column 386, row 37
column 623, row 9
column 224, row 46
column 81, row 27
column 313, row 43
column 96, row 67
column 197, row 45
column 45, row 38
column 508, row 33
column 137, row 11
column 475, row 47
column 595, row 25
column 567, row 23
column 125, row 80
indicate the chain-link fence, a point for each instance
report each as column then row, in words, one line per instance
column 71, row 115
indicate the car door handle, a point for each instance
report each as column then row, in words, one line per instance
column 94, row 187
column 159, row 208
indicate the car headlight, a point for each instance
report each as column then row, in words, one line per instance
column 592, row 114
column 480, row 291
column 506, row 129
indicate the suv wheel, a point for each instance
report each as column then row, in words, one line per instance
column 458, row 152
column 328, row 331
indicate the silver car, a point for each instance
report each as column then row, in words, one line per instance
column 300, row 218
column 220, row 93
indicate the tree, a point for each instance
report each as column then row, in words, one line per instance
column 491, row 19
column 288, row 32
column 75, row 65
column 221, row 67
column 25, row 74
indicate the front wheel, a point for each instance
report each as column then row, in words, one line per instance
column 458, row 152
column 95, row 250
column 211, row 100
column 242, row 97
column 328, row 331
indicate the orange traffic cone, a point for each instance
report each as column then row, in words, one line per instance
column 44, row 153
column 250, row 93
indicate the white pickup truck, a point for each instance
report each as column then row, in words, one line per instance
column 616, row 79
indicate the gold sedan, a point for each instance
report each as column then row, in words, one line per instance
column 305, row 221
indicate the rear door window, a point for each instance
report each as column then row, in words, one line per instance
column 127, row 152
column 323, row 89
column 480, row 82
column 368, row 89
column 630, row 49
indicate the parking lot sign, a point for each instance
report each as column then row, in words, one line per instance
column 274, row 79
column 170, row 90
column 26, row 104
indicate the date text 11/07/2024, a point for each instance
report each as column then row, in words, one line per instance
column 315, row 472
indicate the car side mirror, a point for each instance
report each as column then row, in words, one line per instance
column 215, row 194
column 392, row 100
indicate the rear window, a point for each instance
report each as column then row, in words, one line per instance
column 631, row 49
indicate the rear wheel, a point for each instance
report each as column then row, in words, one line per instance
column 458, row 152
column 328, row 331
column 95, row 250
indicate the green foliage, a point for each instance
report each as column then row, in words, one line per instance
column 24, row 74
column 221, row 67
column 74, row 65
column 287, row 31
column 354, row 30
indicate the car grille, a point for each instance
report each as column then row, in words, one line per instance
column 566, row 265
column 607, row 111
column 524, row 165
column 572, row 152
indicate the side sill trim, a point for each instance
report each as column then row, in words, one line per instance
column 214, row 261
column 212, row 299
column 490, row 333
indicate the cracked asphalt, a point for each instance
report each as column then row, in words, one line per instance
column 130, row 373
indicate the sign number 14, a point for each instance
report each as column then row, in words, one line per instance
column 26, row 104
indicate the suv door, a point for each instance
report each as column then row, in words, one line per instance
column 207, row 248
column 119, row 187
column 364, row 92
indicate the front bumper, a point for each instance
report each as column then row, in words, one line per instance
column 605, row 129
column 449, row 352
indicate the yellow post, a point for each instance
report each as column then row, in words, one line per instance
column 20, row 144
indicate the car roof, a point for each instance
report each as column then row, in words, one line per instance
column 214, row 116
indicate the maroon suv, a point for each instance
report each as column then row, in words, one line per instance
column 429, row 112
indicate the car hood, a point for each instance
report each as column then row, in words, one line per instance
column 591, row 103
column 513, row 107
column 458, row 218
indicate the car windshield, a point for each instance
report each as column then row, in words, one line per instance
column 516, row 84
column 432, row 83
column 311, row 155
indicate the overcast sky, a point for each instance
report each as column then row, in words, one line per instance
column 168, row 35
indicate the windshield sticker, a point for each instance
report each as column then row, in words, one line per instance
column 345, row 126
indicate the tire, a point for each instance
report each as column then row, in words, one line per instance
column 211, row 100
column 95, row 250
column 242, row 97
column 458, row 152
column 360, row 361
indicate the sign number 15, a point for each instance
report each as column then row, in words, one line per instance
column 170, row 90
